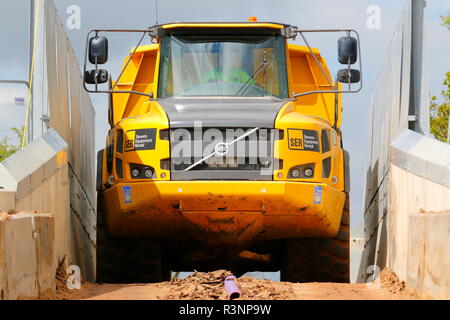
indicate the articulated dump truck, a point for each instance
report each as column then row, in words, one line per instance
column 224, row 151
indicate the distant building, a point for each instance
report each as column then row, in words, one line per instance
column 13, row 105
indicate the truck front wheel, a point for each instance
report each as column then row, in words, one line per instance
column 319, row 260
column 127, row 260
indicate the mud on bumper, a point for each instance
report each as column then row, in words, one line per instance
column 224, row 212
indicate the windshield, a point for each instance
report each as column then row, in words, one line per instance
column 223, row 66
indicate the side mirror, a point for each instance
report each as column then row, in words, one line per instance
column 98, row 50
column 349, row 76
column 96, row 76
column 347, row 50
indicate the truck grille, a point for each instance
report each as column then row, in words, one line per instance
column 250, row 158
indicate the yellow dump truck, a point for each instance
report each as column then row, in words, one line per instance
column 224, row 151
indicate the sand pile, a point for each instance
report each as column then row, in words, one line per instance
column 391, row 282
column 210, row 285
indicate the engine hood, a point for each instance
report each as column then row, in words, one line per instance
column 222, row 111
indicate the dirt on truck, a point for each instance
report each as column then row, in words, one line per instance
column 224, row 152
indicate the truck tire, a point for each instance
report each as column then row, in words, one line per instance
column 127, row 260
column 320, row 260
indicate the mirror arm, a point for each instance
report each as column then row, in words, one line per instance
column 96, row 74
column 149, row 95
column 129, row 59
column 336, row 103
column 315, row 58
column 295, row 95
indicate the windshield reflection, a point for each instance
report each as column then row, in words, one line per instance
column 229, row 65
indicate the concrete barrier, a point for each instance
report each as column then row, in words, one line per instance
column 418, row 221
column 399, row 101
column 61, row 103
column 37, row 179
column 55, row 172
column 27, row 269
column 428, row 259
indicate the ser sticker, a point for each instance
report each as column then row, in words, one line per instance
column 126, row 190
column 299, row 139
column 317, row 194
column 140, row 139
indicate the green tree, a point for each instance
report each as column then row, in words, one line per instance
column 7, row 149
column 439, row 113
column 446, row 21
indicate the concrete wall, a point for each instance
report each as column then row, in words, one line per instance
column 429, row 254
column 418, row 229
column 61, row 103
column 389, row 109
column 55, row 172
column 37, row 179
column 398, row 102
column 27, row 269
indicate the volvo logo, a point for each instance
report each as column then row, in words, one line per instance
column 221, row 149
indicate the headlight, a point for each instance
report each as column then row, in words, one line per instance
column 295, row 173
column 304, row 171
column 148, row 173
column 139, row 171
column 309, row 172
column 135, row 173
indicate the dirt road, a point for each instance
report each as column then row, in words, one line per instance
column 210, row 286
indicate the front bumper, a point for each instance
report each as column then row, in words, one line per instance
column 224, row 212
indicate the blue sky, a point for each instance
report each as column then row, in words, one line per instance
column 307, row 14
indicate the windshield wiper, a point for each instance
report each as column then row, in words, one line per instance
column 262, row 66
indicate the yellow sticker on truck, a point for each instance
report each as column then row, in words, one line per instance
column 140, row 139
column 129, row 140
column 300, row 139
